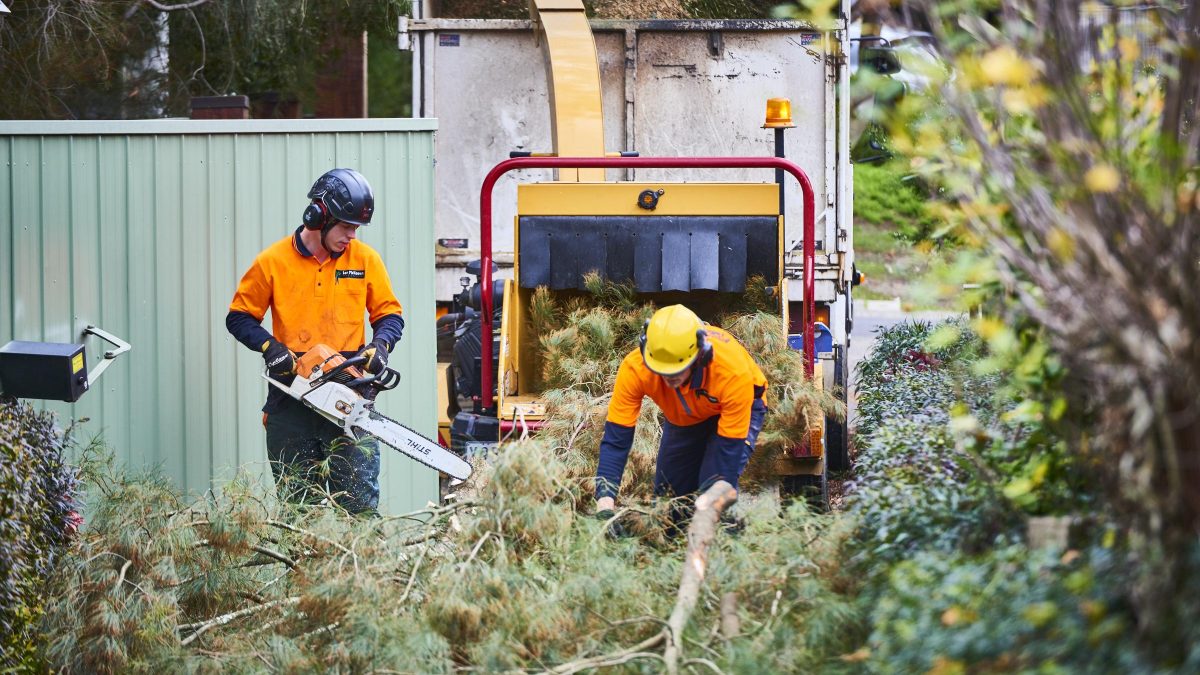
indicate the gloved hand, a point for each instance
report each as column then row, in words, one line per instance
column 377, row 356
column 280, row 360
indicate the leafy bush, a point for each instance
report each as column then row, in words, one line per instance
column 910, row 375
column 37, row 490
column 916, row 491
column 1008, row 610
column 965, row 439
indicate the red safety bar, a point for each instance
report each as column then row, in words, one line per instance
column 485, row 229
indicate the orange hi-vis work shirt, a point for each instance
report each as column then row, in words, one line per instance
column 316, row 303
column 727, row 388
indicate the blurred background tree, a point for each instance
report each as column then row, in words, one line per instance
column 87, row 59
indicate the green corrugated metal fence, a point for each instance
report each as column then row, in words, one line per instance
column 143, row 228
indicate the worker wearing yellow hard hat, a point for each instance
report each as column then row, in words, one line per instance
column 709, row 389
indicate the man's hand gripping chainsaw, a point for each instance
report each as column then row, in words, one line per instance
column 331, row 384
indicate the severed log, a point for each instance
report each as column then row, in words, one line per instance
column 701, row 531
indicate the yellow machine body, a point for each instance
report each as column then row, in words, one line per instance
column 517, row 395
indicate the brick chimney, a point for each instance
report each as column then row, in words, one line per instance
column 220, row 107
column 342, row 83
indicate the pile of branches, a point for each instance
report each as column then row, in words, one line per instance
column 511, row 573
column 516, row 577
column 584, row 338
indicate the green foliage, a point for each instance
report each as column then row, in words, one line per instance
column 37, row 490
column 1064, row 136
column 1007, row 610
column 389, row 75
column 963, row 440
column 69, row 60
column 891, row 196
column 915, row 371
column 917, row 490
column 95, row 59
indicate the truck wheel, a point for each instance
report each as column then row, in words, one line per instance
column 812, row 488
column 837, row 439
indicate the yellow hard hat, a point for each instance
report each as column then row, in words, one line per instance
column 671, row 341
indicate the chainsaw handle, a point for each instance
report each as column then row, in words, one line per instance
column 333, row 372
column 383, row 381
column 388, row 379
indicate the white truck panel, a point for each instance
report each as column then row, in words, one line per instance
column 691, row 103
column 676, row 88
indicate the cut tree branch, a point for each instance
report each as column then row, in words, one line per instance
column 203, row 626
column 703, row 528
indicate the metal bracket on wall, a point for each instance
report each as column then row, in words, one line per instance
column 110, row 355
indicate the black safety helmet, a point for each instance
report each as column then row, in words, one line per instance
column 340, row 194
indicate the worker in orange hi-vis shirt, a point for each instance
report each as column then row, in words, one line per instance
column 709, row 389
column 319, row 282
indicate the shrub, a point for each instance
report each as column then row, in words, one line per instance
column 1008, row 610
column 37, row 490
column 919, row 370
column 916, row 490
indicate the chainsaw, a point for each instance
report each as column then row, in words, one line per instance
column 335, row 387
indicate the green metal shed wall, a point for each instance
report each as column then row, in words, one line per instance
column 144, row 228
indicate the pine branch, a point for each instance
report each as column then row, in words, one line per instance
column 202, row 627
column 703, row 528
column 614, row 659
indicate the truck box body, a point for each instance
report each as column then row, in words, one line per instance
column 669, row 88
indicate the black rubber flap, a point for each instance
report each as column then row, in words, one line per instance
column 656, row 252
column 676, row 261
column 705, row 261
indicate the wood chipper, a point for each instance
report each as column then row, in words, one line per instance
column 694, row 243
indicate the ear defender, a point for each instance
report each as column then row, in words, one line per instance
column 705, row 347
column 315, row 216
column 642, row 338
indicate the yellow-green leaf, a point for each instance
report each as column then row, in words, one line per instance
column 1004, row 66
column 1102, row 178
column 1018, row 488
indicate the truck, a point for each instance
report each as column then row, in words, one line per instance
column 655, row 152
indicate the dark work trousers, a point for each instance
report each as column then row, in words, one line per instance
column 309, row 455
column 692, row 458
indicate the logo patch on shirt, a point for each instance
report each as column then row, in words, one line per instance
column 350, row 274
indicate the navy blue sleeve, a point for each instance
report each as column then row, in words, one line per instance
column 732, row 454
column 388, row 328
column 614, row 452
column 247, row 330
